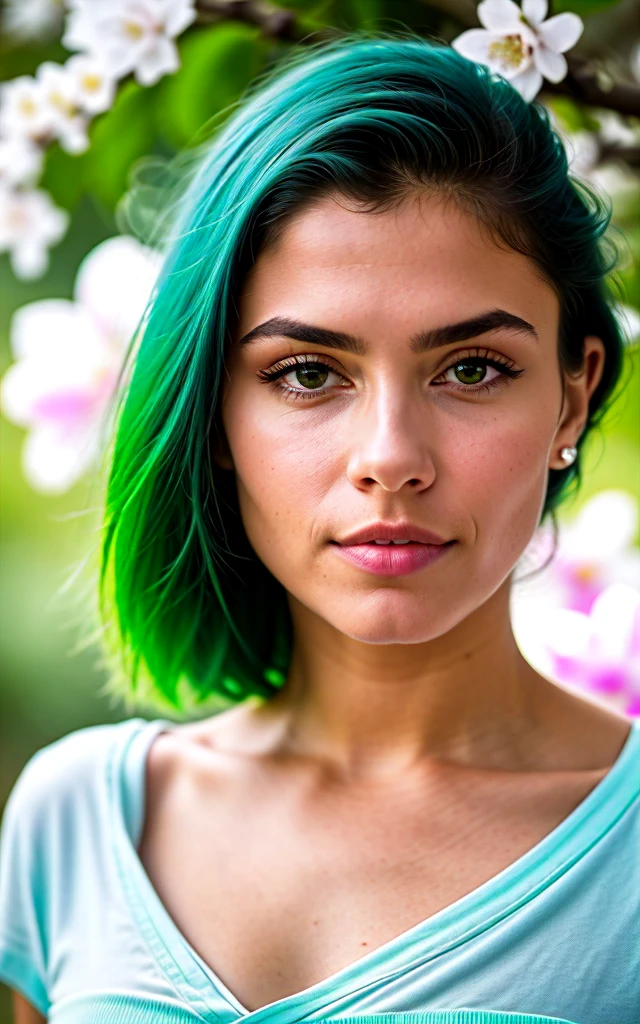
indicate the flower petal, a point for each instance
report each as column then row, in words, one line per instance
column 562, row 31
column 40, row 327
column 178, row 17
column 473, row 44
column 158, row 60
column 113, row 283
column 52, row 463
column 29, row 260
column 535, row 10
column 552, row 65
column 499, row 15
column 527, row 83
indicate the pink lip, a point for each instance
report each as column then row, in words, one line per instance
column 392, row 559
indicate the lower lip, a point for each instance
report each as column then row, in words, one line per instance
column 392, row 559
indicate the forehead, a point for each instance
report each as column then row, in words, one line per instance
column 423, row 258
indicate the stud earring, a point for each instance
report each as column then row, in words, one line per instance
column 568, row 455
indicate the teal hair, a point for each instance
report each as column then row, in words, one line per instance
column 190, row 611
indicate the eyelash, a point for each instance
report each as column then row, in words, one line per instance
column 278, row 370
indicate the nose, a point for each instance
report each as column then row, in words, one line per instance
column 391, row 443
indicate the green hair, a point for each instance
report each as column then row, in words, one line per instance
column 190, row 612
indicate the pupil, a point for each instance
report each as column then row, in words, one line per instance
column 310, row 377
column 468, row 370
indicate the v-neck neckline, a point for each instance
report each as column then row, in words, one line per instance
column 461, row 921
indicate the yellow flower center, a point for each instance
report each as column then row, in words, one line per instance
column 91, row 83
column 57, row 99
column 586, row 573
column 133, row 30
column 510, row 51
column 27, row 107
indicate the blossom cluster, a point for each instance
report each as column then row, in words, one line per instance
column 68, row 355
column 113, row 38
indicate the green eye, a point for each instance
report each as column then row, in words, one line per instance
column 471, row 374
column 312, row 376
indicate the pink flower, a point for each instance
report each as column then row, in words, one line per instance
column 68, row 356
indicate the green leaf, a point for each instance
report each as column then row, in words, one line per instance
column 25, row 58
column 364, row 13
column 348, row 14
column 583, row 7
column 298, row 5
column 571, row 116
column 218, row 64
column 63, row 176
column 121, row 136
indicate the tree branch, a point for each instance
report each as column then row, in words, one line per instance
column 583, row 86
column 275, row 22
column 581, row 83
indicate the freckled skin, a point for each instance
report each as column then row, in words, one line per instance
column 392, row 445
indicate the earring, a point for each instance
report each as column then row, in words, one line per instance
column 568, row 455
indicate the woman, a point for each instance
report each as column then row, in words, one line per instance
column 382, row 322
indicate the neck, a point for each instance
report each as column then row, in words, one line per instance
column 375, row 710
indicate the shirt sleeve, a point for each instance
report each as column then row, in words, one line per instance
column 23, row 887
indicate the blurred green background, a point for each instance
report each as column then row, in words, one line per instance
column 47, row 688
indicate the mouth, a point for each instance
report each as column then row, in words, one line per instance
column 392, row 558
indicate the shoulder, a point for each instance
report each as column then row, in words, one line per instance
column 575, row 732
column 64, row 768
column 185, row 760
column 595, row 735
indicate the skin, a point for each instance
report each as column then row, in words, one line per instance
column 24, row 1012
column 412, row 753
column 389, row 671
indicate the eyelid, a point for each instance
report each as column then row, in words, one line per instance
column 450, row 359
column 477, row 352
column 305, row 357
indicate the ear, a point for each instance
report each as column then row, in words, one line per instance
column 578, row 389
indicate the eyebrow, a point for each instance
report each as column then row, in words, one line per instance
column 424, row 341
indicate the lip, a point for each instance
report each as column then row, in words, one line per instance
column 391, row 531
column 387, row 560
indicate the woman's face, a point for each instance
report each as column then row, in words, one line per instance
column 449, row 429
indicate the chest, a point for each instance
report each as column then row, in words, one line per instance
column 277, row 889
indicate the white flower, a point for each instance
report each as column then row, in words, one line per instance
column 60, row 91
column 29, row 224
column 20, row 160
column 32, row 19
column 68, row 355
column 519, row 44
column 130, row 35
column 24, row 109
column 94, row 86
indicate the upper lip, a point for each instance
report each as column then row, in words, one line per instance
column 391, row 531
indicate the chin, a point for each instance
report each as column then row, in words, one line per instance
column 409, row 624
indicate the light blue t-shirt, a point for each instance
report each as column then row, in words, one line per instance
column 85, row 937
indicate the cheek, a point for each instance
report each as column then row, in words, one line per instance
column 501, row 477
column 285, row 462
